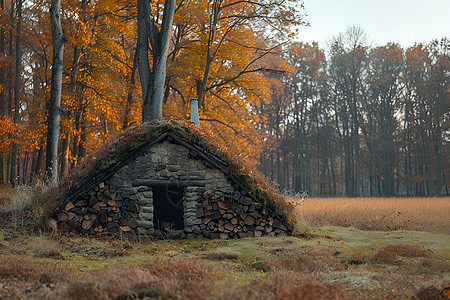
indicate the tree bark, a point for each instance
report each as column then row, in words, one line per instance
column 65, row 155
column 59, row 40
column 14, row 167
column 2, row 74
column 127, row 118
column 2, row 83
column 152, row 81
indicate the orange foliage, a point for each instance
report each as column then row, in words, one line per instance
column 100, row 91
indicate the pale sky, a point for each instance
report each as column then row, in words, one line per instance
column 401, row 21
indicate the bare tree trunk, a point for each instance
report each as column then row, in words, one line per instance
column 126, row 120
column 152, row 81
column 65, row 155
column 59, row 40
column 2, row 71
column 14, row 167
column 2, row 94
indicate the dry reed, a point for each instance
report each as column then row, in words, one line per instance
column 384, row 214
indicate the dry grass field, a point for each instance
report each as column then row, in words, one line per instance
column 384, row 214
column 342, row 249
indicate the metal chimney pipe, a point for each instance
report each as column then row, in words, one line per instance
column 194, row 110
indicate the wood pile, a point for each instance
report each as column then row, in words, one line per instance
column 237, row 217
column 101, row 210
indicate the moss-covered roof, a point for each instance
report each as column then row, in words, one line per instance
column 112, row 156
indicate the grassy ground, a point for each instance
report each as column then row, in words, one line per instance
column 319, row 262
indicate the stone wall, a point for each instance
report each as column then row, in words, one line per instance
column 218, row 209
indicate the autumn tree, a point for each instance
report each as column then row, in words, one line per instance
column 221, row 53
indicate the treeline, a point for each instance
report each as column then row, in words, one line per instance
column 220, row 51
column 362, row 120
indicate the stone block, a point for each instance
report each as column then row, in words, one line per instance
column 156, row 158
column 146, row 202
column 147, row 209
column 146, row 216
column 190, row 204
column 145, row 224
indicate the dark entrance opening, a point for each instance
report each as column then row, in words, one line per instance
column 168, row 207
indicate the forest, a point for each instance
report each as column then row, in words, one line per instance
column 346, row 119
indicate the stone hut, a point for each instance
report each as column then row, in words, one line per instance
column 166, row 179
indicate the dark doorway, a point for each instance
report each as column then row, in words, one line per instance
column 168, row 205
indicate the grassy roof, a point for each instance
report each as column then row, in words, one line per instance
column 111, row 157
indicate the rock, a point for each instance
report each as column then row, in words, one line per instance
column 258, row 233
